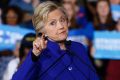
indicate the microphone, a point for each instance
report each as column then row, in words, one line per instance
column 45, row 37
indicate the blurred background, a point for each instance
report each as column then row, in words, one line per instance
column 94, row 23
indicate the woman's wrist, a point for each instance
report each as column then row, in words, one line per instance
column 35, row 57
column 35, row 53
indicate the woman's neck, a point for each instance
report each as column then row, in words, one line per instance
column 62, row 46
column 103, row 19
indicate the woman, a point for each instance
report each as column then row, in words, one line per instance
column 52, row 57
column 12, row 65
column 115, row 9
column 113, row 71
column 12, row 16
column 70, row 11
column 21, row 50
column 25, row 46
column 103, row 18
column 103, row 21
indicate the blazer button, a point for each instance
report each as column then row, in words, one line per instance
column 70, row 68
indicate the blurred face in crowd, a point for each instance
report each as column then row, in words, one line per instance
column 69, row 10
column 73, row 4
column 56, row 26
column 103, row 8
column 11, row 18
column 35, row 3
column 114, row 1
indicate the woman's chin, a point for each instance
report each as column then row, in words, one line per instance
column 62, row 38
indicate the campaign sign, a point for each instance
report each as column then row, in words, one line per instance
column 106, row 45
column 10, row 34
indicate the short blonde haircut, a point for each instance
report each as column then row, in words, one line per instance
column 41, row 14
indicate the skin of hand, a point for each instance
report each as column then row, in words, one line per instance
column 39, row 44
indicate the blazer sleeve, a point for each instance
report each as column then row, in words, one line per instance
column 28, row 70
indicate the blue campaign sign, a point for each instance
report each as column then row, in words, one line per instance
column 78, row 36
column 107, row 45
column 83, row 34
column 115, row 9
column 10, row 34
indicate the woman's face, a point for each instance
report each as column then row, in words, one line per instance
column 69, row 10
column 56, row 27
column 11, row 18
column 103, row 8
column 114, row 1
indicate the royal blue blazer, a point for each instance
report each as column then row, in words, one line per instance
column 56, row 64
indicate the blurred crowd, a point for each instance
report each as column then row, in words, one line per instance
column 86, row 16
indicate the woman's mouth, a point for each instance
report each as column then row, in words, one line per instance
column 63, row 32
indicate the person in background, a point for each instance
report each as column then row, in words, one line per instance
column 13, row 64
column 20, row 53
column 25, row 46
column 102, row 22
column 89, row 6
column 75, row 4
column 52, row 56
column 79, row 28
column 12, row 15
column 118, row 25
column 113, row 71
column 70, row 10
column 0, row 15
column 27, row 6
column 115, row 9
column 103, row 18
column 5, row 56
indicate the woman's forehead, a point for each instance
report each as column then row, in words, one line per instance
column 102, row 3
column 56, row 14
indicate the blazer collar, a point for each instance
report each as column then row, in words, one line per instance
column 53, row 48
column 53, row 45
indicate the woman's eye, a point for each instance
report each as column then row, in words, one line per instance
column 52, row 23
column 63, row 20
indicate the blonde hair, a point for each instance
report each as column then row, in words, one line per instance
column 41, row 14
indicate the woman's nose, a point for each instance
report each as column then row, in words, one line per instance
column 60, row 25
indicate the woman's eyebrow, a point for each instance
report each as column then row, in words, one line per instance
column 51, row 20
column 56, row 19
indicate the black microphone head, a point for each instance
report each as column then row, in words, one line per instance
column 39, row 34
column 46, row 37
